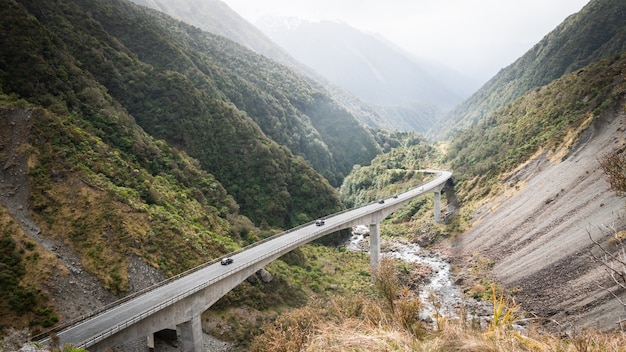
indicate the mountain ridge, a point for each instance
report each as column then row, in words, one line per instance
column 371, row 68
column 596, row 32
column 217, row 20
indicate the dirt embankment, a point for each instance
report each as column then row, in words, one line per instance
column 537, row 232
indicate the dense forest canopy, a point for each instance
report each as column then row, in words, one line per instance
column 255, row 125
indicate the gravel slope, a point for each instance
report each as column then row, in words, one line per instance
column 538, row 233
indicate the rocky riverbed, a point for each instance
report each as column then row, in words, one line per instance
column 437, row 288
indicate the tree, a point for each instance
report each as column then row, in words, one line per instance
column 613, row 260
column 614, row 166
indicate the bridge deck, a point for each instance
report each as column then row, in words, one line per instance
column 105, row 324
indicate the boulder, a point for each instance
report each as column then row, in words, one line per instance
column 265, row 275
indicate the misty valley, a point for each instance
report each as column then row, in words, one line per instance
column 176, row 178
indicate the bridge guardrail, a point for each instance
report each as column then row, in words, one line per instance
column 311, row 237
column 314, row 235
column 78, row 320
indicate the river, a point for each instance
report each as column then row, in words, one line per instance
column 440, row 285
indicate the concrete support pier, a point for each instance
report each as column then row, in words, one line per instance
column 437, row 205
column 150, row 342
column 374, row 245
column 190, row 335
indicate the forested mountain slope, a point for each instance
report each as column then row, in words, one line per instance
column 598, row 31
column 216, row 17
column 418, row 114
column 192, row 88
column 124, row 161
column 284, row 105
column 392, row 172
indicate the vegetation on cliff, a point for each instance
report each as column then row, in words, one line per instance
column 596, row 32
column 395, row 171
column 134, row 149
column 549, row 119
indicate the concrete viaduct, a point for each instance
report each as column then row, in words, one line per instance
column 179, row 302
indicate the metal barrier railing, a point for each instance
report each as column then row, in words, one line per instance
column 109, row 332
column 82, row 318
column 281, row 250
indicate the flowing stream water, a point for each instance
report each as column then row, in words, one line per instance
column 447, row 296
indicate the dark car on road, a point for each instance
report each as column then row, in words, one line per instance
column 319, row 223
column 226, row 261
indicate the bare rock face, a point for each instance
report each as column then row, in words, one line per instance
column 265, row 275
column 262, row 275
column 141, row 275
column 14, row 153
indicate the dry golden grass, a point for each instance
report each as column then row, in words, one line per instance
column 358, row 323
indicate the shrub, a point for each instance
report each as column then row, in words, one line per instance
column 614, row 166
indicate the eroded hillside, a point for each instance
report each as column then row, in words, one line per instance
column 535, row 230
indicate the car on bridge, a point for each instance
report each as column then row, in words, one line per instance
column 319, row 222
column 226, row 261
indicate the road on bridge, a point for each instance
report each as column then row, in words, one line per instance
column 93, row 329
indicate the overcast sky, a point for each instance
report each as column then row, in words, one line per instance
column 475, row 37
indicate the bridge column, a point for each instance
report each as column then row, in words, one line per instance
column 437, row 205
column 374, row 245
column 190, row 335
column 150, row 342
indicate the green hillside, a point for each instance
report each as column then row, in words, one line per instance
column 598, row 31
column 548, row 118
column 128, row 132
column 286, row 108
column 243, row 117
column 391, row 172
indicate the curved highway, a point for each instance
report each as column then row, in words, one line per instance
column 118, row 318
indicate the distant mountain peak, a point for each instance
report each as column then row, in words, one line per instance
column 596, row 32
column 370, row 67
column 273, row 23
